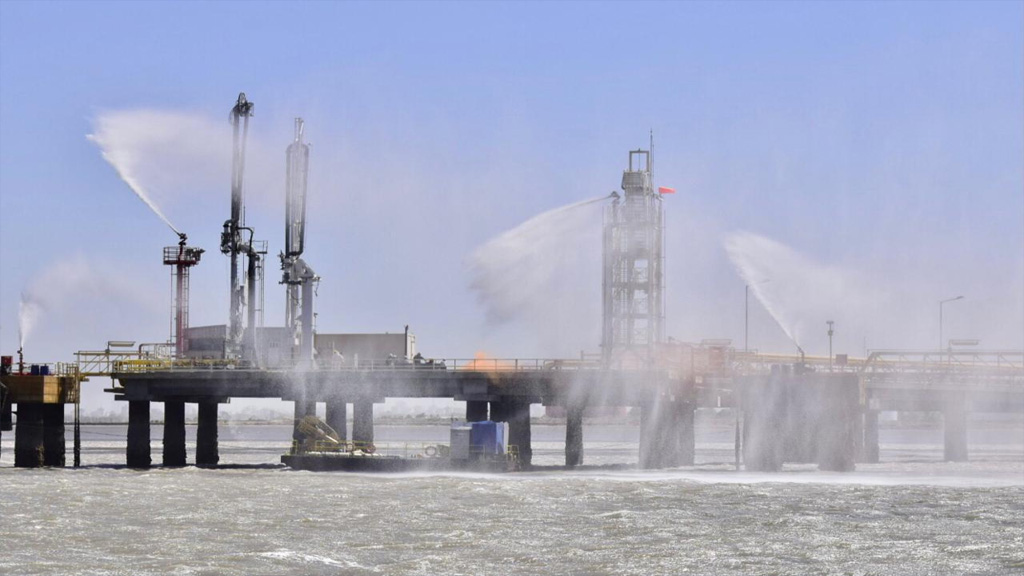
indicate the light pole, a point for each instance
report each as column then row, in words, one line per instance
column 940, row 316
column 831, row 325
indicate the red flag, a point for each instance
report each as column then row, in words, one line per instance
column 664, row 190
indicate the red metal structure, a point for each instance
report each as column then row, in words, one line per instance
column 182, row 258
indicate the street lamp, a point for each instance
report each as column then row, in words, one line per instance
column 940, row 316
column 746, row 313
column 831, row 325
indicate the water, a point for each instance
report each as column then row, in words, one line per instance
column 517, row 271
column 28, row 313
column 115, row 134
column 911, row 515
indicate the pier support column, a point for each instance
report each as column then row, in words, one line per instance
column 303, row 408
column 362, row 422
column 28, row 436
column 763, row 425
column 174, row 433
column 519, row 434
column 685, row 425
column 955, row 428
column 337, row 418
column 871, row 436
column 573, row 435
column 499, row 412
column 207, row 451
column 476, row 411
column 54, row 444
column 138, row 455
column 839, row 399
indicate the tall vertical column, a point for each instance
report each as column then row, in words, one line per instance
column 337, row 417
column 839, row 399
column 362, row 422
column 303, row 408
column 28, row 436
column 763, row 424
column 476, row 410
column 871, row 450
column 519, row 434
column 207, row 451
column 955, row 428
column 174, row 433
column 685, row 430
column 54, row 443
column 499, row 411
column 574, row 435
column 138, row 455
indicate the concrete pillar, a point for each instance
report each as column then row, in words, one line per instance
column 337, row 417
column 871, row 450
column 839, row 398
column 687, row 436
column 303, row 408
column 174, row 433
column 955, row 428
column 207, row 451
column 519, row 434
column 54, row 444
column 362, row 422
column 573, row 435
column 476, row 411
column 28, row 436
column 763, row 424
column 138, row 455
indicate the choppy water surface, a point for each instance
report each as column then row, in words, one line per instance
column 908, row 517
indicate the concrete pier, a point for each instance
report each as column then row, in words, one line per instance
column 574, row 435
column 362, row 422
column 303, row 408
column 954, row 428
column 28, row 436
column 685, row 428
column 836, row 419
column 174, row 433
column 871, row 450
column 763, row 426
column 54, row 445
column 138, row 454
column 207, row 451
column 476, row 411
column 337, row 417
column 519, row 434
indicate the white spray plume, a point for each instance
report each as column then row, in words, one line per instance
column 532, row 272
column 798, row 293
column 164, row 154
column 65, row 282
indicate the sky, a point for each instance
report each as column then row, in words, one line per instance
column 858, row 162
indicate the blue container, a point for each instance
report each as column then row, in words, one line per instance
column 487, row 437
column 34, row 370
column 44, row 370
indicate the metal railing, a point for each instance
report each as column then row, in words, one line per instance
column 134, row 364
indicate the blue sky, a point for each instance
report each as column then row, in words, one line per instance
column 882, row 143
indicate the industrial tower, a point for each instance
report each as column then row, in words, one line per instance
column 182, row 257
column 298, row 276
column 633, row 280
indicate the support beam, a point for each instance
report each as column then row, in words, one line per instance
column 687, row 436
column 476, row 410
column 337, row 417
column 303, row 408
column 174, row 433
column 28, row 436
column 362, row 422
column 574, row 435
column 871, row 448
column 839, row 400
column 138, row 454
column 519, row 434
column 54, row 443
column 207, row 451
column 955, row 428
